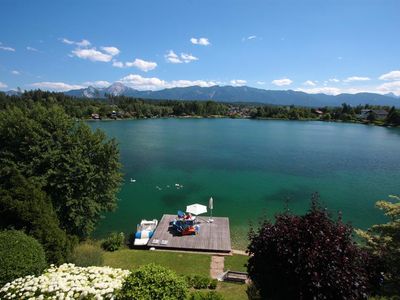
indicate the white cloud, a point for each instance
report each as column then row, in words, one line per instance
column 29, row 48
column 56, row 86
column 260, row 82
column 393, row 75
column 3, row 85
column 152, row 83
column 99, row 83
column 200, row 41
column 118, row 64
column 309, row 83
column 92, row 54
column 173, row 58
column 282, row 82
column 111, row 50
column 5, row 48
column 251, row 37
column 187, row 58
column 142, row 64
column 390, row 87
column 83, row 43
column 333, row 80
column 319, row 90
column 15, row 72
column 238, row 82
column 356, row 78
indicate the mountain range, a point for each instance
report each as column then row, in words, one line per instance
column 243, row 94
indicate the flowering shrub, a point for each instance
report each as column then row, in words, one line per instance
column 67, row 282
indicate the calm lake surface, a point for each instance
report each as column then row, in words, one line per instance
column 250, row 168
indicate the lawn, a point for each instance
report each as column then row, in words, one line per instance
column 181, row 263
column 236, row 262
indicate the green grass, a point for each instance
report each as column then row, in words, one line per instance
column 236, row 262
column 181, row 263
column 232, row 291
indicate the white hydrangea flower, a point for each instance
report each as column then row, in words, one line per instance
column 67, row 282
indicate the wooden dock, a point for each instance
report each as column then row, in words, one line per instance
column 212, row 237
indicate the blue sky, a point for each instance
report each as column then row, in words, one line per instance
column 314, row 46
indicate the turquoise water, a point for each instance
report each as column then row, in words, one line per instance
column 250, row 168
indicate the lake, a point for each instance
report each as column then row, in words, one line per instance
column 251, row 168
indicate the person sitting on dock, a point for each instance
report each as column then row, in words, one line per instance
column 188, row 216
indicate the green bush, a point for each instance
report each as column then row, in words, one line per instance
column 198, row 281
column 153, row 282
column 113, row 242
column 20, row 255
column 86, row 255
column 203, row 295
column 213, row 284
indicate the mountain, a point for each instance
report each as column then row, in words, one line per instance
column 239, row 94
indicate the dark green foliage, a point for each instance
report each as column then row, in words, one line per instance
column 308, row 257
column 78, row 169
column 198, row 281
column 20, row 255
column 113, row 242
column 213, row 284
column 205, row 295
column 87, row 254
column 152, row 282
column 23, row 205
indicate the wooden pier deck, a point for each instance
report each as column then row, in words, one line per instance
column 212, row 237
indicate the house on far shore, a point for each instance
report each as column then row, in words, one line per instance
column 380, row 114
column 319, row 112
column 95, row 117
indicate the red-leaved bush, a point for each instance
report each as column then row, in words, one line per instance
column 309, row 257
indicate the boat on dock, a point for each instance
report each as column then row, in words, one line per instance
column 144, row 232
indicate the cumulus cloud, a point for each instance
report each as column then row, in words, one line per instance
column 56, row 86
column 356, row 78
column 318, row 90
column 390, row 87
column 393, row 75
column 92, row 54
column 282, row 82
column 111, row 50
column 98, row 84
column 29, row 48
column 200, row 41
column 173, row 58
column 15, row 72
column 309, row 83
column 141, row 64
column 83, row 43
column 188, row 57
column 153, row 83
column 118, row 64
column 238, row 82
column 251, row 37
column 3, row 85
column 333, row 80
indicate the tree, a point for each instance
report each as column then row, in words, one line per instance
column 24, row 206
column 308, row 257
column 20, row 255
column 384, row 241
column 78, row 169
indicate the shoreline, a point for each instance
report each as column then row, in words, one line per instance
column 242, row 118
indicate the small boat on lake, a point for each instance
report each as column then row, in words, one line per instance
column 144, row 232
